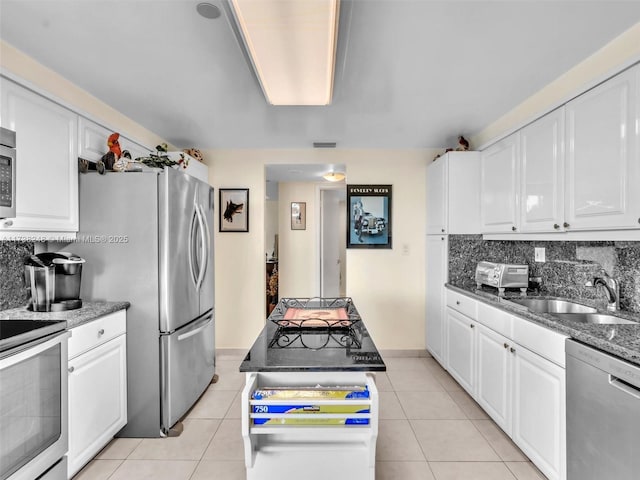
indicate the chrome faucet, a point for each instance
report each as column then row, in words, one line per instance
column 611, row 288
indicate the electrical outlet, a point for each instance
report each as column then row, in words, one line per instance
column 539, row 255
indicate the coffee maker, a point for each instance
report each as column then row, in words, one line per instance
column 54, row 281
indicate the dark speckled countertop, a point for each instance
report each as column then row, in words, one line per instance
column 622, row 341
column 88, row 312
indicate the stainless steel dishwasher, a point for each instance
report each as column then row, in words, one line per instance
column 603, row 415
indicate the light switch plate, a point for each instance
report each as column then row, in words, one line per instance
column 539, row 254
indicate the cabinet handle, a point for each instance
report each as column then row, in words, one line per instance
column 556, row 226
column 513, row 228
column 512, row 350
column 457, row 302
column 565, row 225
column 443, row 230
column 101, row 332
column 71, row 369
column 8, row 223
column 472, row 325
column 506, row 345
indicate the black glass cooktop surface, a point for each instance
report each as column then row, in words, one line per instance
column 18, row 332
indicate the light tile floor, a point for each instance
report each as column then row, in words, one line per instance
column 430, row 429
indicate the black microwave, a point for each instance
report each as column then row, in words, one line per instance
column 7, row 173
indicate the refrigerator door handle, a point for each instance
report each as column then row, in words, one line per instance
column 206, row 239
column 201, row 325
column 203, row 247
column 192, row 228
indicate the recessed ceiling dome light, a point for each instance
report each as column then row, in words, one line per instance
column 208, row 10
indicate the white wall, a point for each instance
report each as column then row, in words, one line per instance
column 621, row 52
column 297, row 264
column 386, row 285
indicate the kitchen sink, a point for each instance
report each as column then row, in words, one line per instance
column 541, row 305
column 601, row 318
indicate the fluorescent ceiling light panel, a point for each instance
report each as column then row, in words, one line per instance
column 292, row 44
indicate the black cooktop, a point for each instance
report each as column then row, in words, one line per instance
column 14, row 333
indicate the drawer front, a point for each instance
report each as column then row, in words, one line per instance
column 462, row 304
column 94, row 333
column 544, row 342
column 496, row 319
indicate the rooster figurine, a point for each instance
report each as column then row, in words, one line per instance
column 109, row 159
column 463, row 144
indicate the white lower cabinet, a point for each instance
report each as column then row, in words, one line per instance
column 539, row 419
column 521, row 390
column 97, row 387
column 436, row 277
column 494, row 376
column 461, row 349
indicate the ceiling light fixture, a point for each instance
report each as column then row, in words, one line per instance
column 292, row 46
column 334, row 176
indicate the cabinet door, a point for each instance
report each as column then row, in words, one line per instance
column 499, row 186
column 97, row 400
column 436, row 196
column 436, row 277
column 461, row 349
column 603, row 166
column 463, row 193
column 539, row 411
column 46, row 163
column 542, row 176
column 135, row 149
column 93, row 140
column 494, row 376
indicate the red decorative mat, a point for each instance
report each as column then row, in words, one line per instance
column 320, row 317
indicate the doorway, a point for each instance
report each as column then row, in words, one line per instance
column 300, row 254
column 332, row 241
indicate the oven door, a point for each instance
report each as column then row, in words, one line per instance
column 33, row 407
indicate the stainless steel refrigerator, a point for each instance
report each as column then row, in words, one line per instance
column 147, row 238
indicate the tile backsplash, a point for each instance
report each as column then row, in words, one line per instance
column 568, row 265
column 13, row 292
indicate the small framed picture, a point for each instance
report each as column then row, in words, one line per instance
column 369, row 216
column 234, row 210
column 298, row 215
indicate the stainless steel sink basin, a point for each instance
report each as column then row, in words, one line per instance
column 601, row 318
column 541, row 305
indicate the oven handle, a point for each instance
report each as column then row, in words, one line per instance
column 32, row 349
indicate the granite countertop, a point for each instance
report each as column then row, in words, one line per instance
column 88, row 312
column 274, row 351
column 620, row 340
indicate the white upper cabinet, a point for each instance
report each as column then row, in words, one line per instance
column 603, row 166
column 46, row 165
column 436, row 196
column 93, row 142
column 542, row 174
column 499, row 186
column 453, row 194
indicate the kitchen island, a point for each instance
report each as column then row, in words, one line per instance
column 310, row 403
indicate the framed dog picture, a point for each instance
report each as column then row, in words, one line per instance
column 369, row 216
column 234, row 210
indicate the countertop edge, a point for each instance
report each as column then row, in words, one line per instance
column 74, row 318
column 596, row 336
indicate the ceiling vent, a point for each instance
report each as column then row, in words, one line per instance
column 324, row 144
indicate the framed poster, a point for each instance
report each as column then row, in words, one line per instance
column 369, row 216
column 298, row 215
column 234, row 210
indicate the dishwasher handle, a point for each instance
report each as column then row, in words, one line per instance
column 626, row 387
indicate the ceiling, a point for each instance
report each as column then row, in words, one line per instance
column 409, row 73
